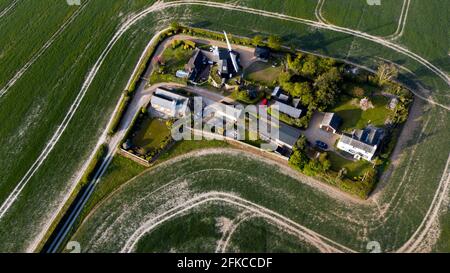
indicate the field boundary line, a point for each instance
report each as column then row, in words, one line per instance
column 42, row 50
column 401, row 22
column 8, row 8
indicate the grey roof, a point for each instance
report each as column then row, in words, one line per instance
column 358, row 144
column 366, row 140
column 280, row 96
column 262, row 52
column 288, row 110
column 195, row 61
column 332, row 120
column 288, row 135
column 370, row 135
column 163, row 103
column 168, row 100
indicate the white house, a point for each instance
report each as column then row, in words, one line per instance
column 362, row 144
column 169, row 103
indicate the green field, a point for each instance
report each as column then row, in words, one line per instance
column 35, row 106
column 205, row 226
column 257, row 182
column 379, row 20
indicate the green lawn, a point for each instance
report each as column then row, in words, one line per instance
column 354, row 168
column 174, row 60
column 151, row 133
column 355, row 118
column 262, row 72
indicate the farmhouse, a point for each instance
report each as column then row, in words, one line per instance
column 262, row 53
column 287, row 137
column 331, row 123
column 169, row 103
column 362, row 143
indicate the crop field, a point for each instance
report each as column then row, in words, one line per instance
column 157, row 197
column 379, row 20
column 63, row 73
column 222, row 228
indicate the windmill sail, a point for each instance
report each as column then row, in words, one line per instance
column 232, row 54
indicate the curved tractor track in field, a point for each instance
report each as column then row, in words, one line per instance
column 42, row 50
column 159, row 6
column 394, row 36
column 251, row 210
column 318, row 12
column 401, row 22
column 320, row 242
column 8, row 8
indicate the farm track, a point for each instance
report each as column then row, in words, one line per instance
column 401, row 22
column 8, row 8
column 42, row 50
column 228, row 234
column 161, row 6
column 394, row 36
column 318, row 12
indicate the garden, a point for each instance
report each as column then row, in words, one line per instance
column 148, row 137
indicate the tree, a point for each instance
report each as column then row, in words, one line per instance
column 309, row 67
column 274, row 42
column 386, row 73
column 327, row 86
column 298, row 160
column 295, row 64
column 300, row 145
column 303, row 91
column 257, row 40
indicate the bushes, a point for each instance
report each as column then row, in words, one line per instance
column 120, row 112
column 94, row 164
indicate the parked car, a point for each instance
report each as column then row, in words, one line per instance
column 321, row 145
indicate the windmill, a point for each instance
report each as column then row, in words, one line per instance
column 233, row 54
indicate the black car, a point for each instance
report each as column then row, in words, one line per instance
column 321, row 145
